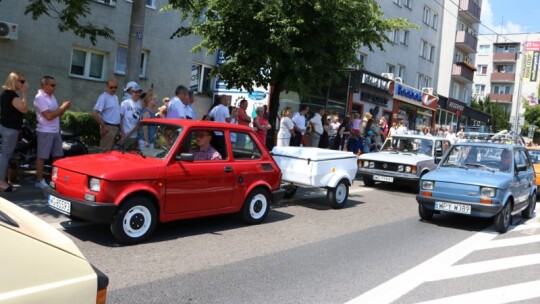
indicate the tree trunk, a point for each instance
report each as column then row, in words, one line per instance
column 136, row 30
column 273, row 108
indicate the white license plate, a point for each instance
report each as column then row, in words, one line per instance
column 451, row 207
column 60, row 204
column 387, row 179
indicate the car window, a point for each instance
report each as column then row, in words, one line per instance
column 204, row 144
column 161, row 139
column 244, row 146
column 477, row 157
column 535, row 156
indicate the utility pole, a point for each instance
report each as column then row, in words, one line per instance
column 136, row 30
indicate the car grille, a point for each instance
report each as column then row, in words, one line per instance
column 386, row 166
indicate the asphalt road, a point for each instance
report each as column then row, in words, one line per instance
column 376, row 250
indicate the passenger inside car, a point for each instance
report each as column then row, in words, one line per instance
column 506, row 160
column 203, row 150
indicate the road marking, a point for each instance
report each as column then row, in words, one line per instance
column 441, row 267
column 500, row 295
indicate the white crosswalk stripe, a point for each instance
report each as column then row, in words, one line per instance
column 443, row 266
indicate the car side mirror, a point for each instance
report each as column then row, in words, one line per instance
column 521, row 168
column 189, row 157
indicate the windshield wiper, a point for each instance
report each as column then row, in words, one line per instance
column 477, row 165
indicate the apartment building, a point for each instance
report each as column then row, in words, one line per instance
column 507, row 71
column 37, row 48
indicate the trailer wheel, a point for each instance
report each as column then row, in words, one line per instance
column 338, row 195
column 290, row 190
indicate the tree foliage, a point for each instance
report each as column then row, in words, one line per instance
column 499, row 117
column 72, row 15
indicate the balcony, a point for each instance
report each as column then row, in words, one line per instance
column 469, row 10
column 463, row 72
column 501, row 98
column 466, row 42
column 503, row 77
column 504, row 57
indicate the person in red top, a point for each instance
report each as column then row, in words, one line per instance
column 243, row 118
column 261, row 124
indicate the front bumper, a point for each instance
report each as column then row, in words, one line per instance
column 396, row 175
column 90, row 211
column 477, row 209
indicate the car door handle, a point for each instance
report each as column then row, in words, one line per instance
column 227, row 169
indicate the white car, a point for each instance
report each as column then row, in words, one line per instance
column 402, row 159
column 39, row 264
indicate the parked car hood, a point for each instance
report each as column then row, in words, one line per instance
column 408, row 158
column 113, row 165
column 472, row 176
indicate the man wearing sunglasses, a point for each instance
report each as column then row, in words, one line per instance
column 107, row 114
column 49, row 141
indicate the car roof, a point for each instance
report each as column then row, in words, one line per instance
column 487, row 145
column 417, row 136
column 188, row 123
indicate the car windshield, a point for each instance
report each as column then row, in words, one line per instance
column 479, row 157
column 150, row 139
column 409, row 145
column 535, row 156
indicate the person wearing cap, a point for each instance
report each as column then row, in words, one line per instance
column 107, row 114
column 127, row 95
column 130, row 109
column 178, row 105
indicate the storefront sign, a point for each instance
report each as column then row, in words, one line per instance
column 376, row 81
column 455, row 106
column 406, row 93
column 430, row 101
column 374, row 98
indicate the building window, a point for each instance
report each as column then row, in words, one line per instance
column 420, row 80
column 401, row 71
column 455, row 91
column 149, row 3
column 404, row 37
column 394, row 36
column 432, row 53
column 427, row 15
column 398, row 2
column 483, row 50
column 504, row 68
column 111, row 2
column 481, row 69
column 434, row 21
column 479, row 89
column 407, row 3
column 390, row 68
column 201, row 82
column 501, row 89
column 427, row 82
column 361, row 57
column 121, row 61
column 87, row 64
column 423, row 49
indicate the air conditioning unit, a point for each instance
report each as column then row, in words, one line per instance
column 398, row 79
column 8, row 30
column 388, row 75
column 427, row 91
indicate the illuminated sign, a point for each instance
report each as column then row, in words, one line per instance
column 407, row 93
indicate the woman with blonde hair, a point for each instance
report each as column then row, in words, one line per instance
column 11, row 119
column 286, row 128
column 147, row 134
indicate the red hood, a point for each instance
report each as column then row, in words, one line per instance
column 113, row 165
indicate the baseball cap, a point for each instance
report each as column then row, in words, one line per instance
column 132, row 85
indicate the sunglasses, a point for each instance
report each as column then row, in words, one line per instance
column 22, row 81
column 114, row 88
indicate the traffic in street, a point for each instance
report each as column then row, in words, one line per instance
column 374, row 250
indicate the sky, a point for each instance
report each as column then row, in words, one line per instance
column 510, row 16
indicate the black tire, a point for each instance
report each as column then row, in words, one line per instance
column 425, row 213
column 368, row 180
column 338, row 195
column 529, row 211
column 256, row 206
column 290, row 191
column 135, row 221
column 503, row 218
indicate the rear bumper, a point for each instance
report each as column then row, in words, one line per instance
column 90, row 211
column 277, row 195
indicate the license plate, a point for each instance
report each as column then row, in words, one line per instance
column 60, row 204
column 387, row 179
column 451, row 207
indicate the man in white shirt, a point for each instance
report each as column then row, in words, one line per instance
column 451, row 136
column 107, row 114
column 316, row 127
column 299, row 120
column 220, row 113
column 177, row 107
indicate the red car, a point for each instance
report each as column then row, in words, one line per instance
column 165, row 170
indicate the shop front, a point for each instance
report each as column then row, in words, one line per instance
column 415, row 108
column 371, row 95
column 457, row 115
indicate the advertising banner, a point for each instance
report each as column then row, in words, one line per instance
column 530, row 71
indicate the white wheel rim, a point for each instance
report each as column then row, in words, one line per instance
column 137, row 221
column 257, row 206
column 341, row 193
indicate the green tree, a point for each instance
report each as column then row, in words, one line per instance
column 302, row 44
column 499, row 116
column 532, row 117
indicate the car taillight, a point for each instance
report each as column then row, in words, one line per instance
column 101, row 296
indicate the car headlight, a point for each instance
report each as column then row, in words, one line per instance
column 365, row 164
column 427, row 185
column 372, row 165
column 408, row 169
column 400, row 168
column 54, row 172
column 488, row 191
column 94, row 184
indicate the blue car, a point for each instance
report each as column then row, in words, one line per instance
column 490, row 180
